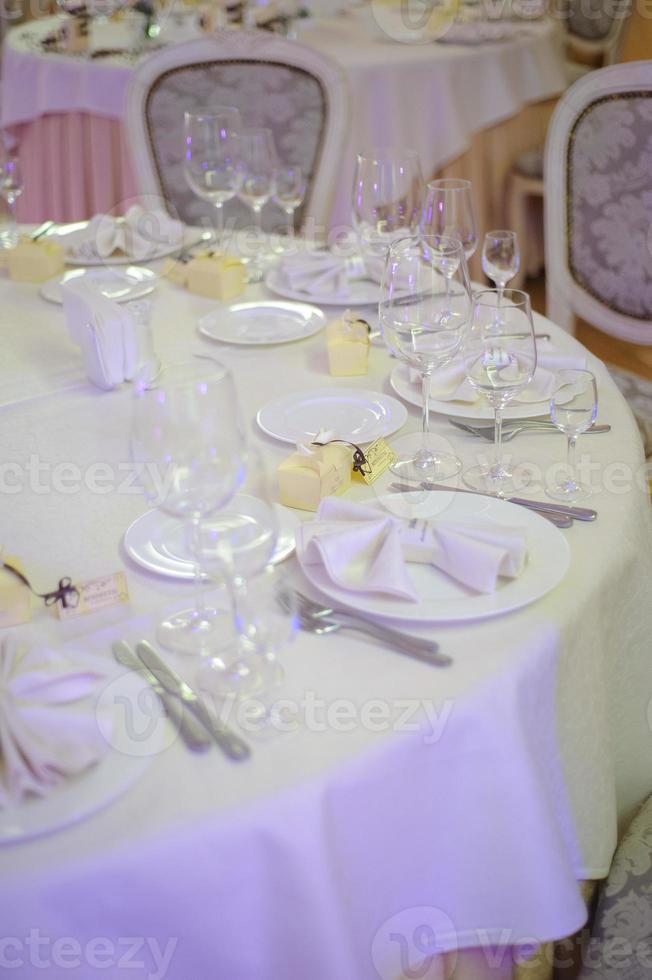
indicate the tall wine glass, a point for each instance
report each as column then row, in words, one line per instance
column 259, row 164
column 449, row 211
column 212, row 158
column 500, row 357
column 573, row 409
column 289, row 192
column 423, row 324
column 388, row 192
column 188, row 442
column 500, row 258
column 11, row 187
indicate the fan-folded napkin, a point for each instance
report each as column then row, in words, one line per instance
column 140, row 234
column 449, row 382
column 363, row 549
column 104, row 330
column 320, row 273
column 44, row 737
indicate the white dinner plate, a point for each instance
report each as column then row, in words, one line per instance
column 122, row 705
column 353, row 414
column 262, row 323
column 83, row 251
column 156, row 541
column 411, row 393
column 120, row 285
column 443, row 600
column 362, row 292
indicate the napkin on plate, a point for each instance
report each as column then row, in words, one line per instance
column 44, row 736
column 104, row 330
column 449, row 383
column 363, row 549
column 320, row 273
column 139, row 235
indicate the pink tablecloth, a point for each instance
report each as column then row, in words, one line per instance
column 87, row 162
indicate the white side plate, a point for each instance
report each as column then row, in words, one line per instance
column 120, row 285
column 353, row 414
column 260, row 323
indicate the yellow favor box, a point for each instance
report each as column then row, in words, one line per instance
column 347, row 340
column 35, row 261
column 14, row 597
column 306, row 476
column 220, row 277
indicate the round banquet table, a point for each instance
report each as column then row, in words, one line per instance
column 444, row 100
column 500, row 788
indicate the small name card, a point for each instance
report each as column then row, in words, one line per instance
column 110, row 590
column 379, row 457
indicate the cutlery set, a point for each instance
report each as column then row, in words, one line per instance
column 512, row 427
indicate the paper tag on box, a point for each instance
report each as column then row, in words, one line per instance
column 379, row 457
column 110, row 590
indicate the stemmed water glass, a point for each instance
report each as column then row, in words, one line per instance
column 289, row 192
column 212, row 158
column 500, row 258
column 11, row 187
column 448, row 210
column 500, row 357
column 387, row 200
column 573, row 410
column 258, row 167
column 424, row 309
column 188, row 443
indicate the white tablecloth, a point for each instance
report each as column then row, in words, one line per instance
column 311, row 859
column 432, row 97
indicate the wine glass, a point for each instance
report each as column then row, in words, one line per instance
column 500, row 357
column 212, row 158
column 11, row 187
column 387, row 200
column 258, row 165
column 188, row 442
column 424, row 309
column 500, row 258
column 449, row 211
column 289, row 192
column 573, row 415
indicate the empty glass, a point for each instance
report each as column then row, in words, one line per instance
column 188, row 442
column 424, row 309
column 449, row 211
column 573, row 409
column 212, row 158
column 289, row 192
column 387, row 200
column 500, row 258
column 258, row 166
column 500, row 358
column 11, row 187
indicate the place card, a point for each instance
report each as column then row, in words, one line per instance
column 100, row 593
column 378, row 459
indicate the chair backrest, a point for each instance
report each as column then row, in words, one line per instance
column 596, row 26
column 598, row 202
column 281, row 84
column 619, row 947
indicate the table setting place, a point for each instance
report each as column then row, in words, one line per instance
column 316, row 513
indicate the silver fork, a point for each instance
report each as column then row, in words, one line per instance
column 317, row 618
column 510, row 431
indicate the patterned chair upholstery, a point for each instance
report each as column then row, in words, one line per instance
column 620, row 947
column 594, row 20
column 296, row 92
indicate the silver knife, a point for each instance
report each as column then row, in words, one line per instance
column 231, row 744
column 190, row 729
column 577, row 513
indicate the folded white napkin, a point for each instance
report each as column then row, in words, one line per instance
column 44, row 736
column 104, row 330
column 364, row 550
column 320, row 273
column 140, row 234
column 449, row 383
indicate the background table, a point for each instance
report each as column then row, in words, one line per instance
column 473, row 107
column 302, row 862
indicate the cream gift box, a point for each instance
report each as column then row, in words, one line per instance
column 347, row 340
column 215, row 276
column 35, row 261
column 313, row 472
